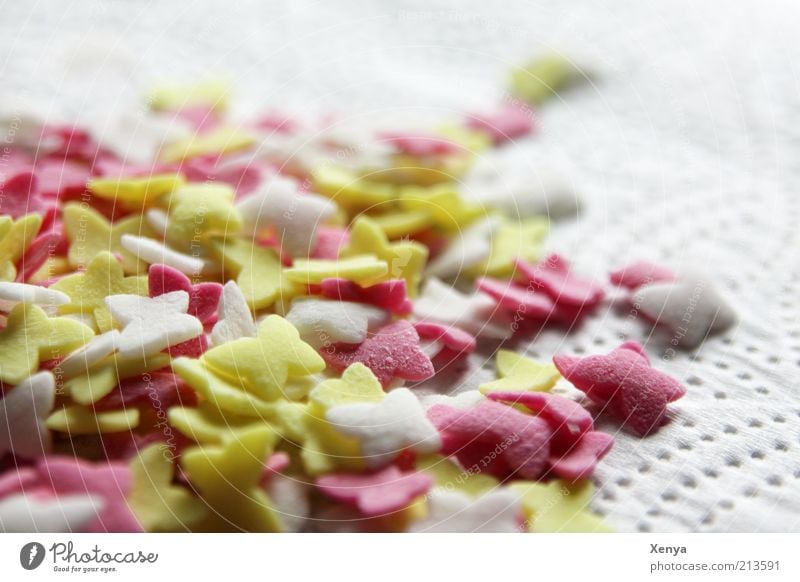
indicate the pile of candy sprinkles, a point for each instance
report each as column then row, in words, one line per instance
column 208, row 325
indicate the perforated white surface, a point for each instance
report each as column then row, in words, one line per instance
column 684, row 150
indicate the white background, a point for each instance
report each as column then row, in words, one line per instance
column 624, row 557
column 684, row 150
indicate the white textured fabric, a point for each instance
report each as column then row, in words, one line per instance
column 683, row 150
